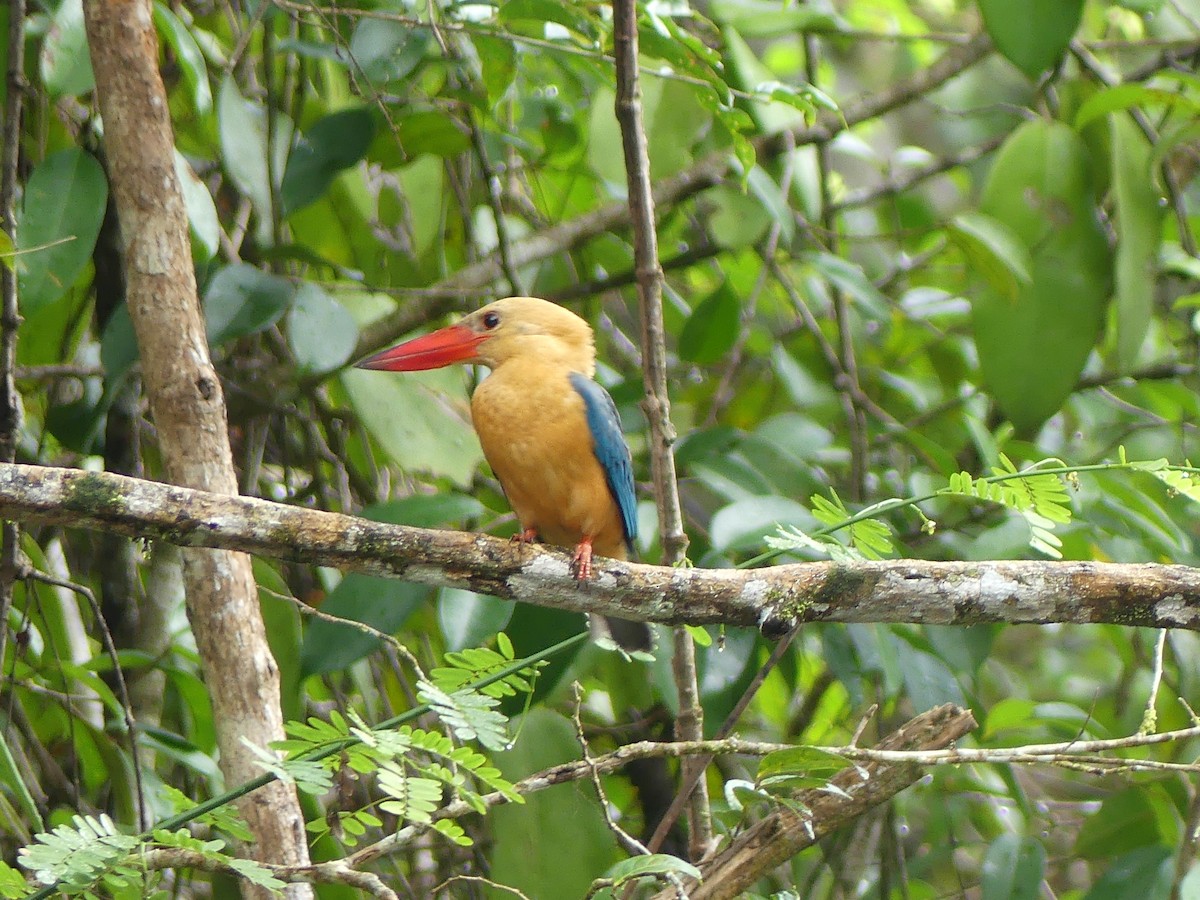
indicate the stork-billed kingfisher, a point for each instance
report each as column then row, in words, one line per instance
column 550, row 433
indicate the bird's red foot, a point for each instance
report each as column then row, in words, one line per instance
column 528, row 536
column 581, row 562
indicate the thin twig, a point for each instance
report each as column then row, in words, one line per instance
column 656, row 403
column 118, row 676
column 10, row 317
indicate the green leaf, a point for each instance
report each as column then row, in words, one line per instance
column 1013, row 869
column 387, row 50
column 652, row 865
column 531, row 17
column 203, row 225
column 65, row 64
column 330, row 146
column 763, row 19
column 242, row 126
column 320, row 330
column 188, row 56
column 1139, row 216
column 383, row 603
column 413, row 798
column 1032, row 347
column 498, row 62
column 812, row 762
column 1138, row 875
column 63, row 209
column 533, row 841
column 1124, row 96
column 712, row 328
column 467, row 618
column 1127, row 820
column 433, row 132
column 242, row 300
column 433, row 434
column 1032, row 34
column 992, row 250
column 471, row 715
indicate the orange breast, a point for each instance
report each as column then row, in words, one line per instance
column 535, row 435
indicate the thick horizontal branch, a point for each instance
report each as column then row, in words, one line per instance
column 774, row 598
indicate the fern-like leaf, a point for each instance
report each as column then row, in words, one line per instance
column 414, row 797
column 469, row 714
column 478, row 663
column 309, row 776
column 79, row 854
column 1040, row 497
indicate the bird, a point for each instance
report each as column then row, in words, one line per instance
column 549, row 431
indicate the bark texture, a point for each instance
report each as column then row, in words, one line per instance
column 774, row 598
column 784, row 833
column 188, row 406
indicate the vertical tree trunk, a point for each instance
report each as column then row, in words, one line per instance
column 188, row 406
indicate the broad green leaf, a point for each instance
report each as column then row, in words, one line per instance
column 383, row 603
column 1123, row 96
column 498, row 61
column 809, row 761
column 761, row 18
column 203, row 225
column 242, row 125
column 557, row 842
column 242, row 300
column 416, row 421
column 63, row 209
column 742, row 525
column 712, row 328
column 431, row 131
column 1013, row 869
column 992, row 250
column 651, row 865
column 1139, row 215
column 1138, row 875
column 1032, row 34
column 320, row 330
column 1032, row 347
column 467, row 619
column 187, row 54
column 387, row 51
column 746, row 72
column 1132, row 818
column 65, row 64
column 332, row 144
column 532, row 16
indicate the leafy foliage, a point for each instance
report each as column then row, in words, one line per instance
column 881, row 294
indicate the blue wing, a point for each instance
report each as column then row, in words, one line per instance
column 611, row 450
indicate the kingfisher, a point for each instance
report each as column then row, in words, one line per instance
column 550, row 433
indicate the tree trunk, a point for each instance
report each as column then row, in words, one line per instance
column 188, row 407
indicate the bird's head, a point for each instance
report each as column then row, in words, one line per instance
column 507, row 329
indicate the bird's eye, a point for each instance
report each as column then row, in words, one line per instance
column 491, row 320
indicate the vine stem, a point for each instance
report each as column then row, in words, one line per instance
column 10, row 318
column 656, row 403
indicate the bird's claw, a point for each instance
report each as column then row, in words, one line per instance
column 528, row 536
column 581, row 562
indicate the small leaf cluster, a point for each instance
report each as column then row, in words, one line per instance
column 92, row 857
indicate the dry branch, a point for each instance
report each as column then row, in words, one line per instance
column 784, row 833
column 708, row 172
column 776, row 597
column 188, row 404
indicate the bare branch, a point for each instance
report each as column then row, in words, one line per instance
column 775, row 598
column 785, row 832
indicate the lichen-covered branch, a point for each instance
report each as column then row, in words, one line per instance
column 785, row 832
column 775, row 598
